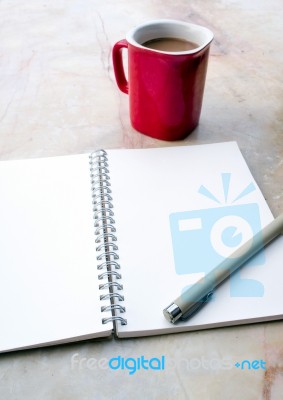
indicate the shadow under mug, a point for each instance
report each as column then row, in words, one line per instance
column 165, row 88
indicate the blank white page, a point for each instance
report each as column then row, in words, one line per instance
column 151, row 184
column 48, row 273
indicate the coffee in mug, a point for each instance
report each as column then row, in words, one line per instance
column 170, row 44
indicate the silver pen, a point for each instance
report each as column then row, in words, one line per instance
column 198, row 294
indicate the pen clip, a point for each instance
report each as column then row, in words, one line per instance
column 196, row 306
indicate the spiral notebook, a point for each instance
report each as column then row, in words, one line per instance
column 91, row 245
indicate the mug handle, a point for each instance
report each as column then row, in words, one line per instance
column 119, row 71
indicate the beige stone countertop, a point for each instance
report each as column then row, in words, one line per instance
column 58, row 96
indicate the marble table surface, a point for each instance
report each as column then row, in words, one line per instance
column 58, row 96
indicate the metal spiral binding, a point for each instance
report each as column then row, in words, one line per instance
column 105, row 235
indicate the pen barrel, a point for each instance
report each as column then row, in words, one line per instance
column 200, row 289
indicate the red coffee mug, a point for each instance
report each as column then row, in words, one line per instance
column 165, row 88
